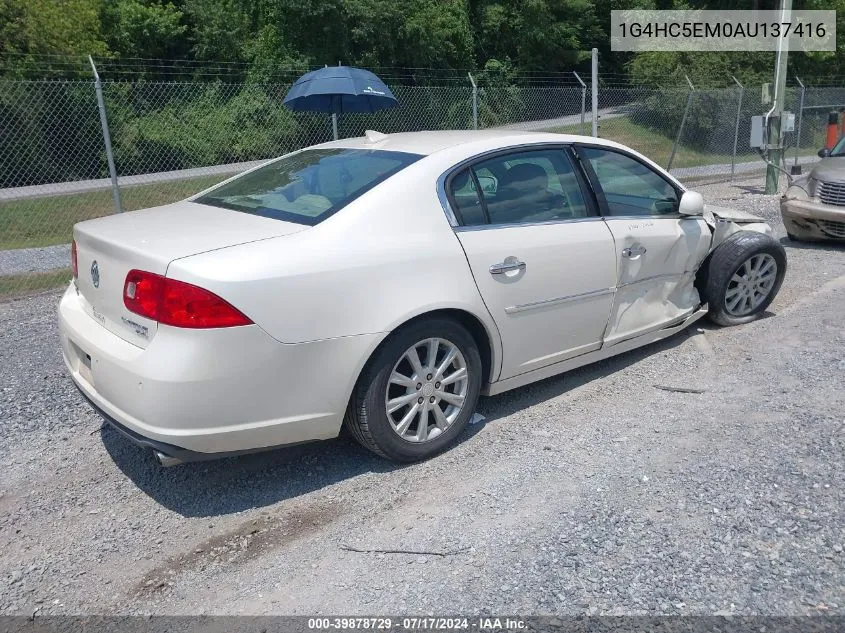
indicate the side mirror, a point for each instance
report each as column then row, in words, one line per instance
column 691, row 203
column 824, row 152
column 488, row 184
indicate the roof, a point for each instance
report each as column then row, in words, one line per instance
column 430, row 142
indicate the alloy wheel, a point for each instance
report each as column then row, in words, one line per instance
column 426, row 390
column 751, row 284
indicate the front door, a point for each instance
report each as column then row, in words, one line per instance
column 541, row 256
column 657, row 250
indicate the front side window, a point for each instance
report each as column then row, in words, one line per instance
column 522, row 187
column 629, row 186
column 309, row 186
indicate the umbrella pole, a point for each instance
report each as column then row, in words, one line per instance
column 334, row 125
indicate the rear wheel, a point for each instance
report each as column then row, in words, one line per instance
column 744, row 275
column 418, row 392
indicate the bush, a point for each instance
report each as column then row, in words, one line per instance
column 201, row 124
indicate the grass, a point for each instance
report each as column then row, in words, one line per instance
column 48, row 220
column 29, row 283
column 658, row 147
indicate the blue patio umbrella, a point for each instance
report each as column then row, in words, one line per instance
column 339, row 89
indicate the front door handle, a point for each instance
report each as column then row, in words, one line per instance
column 510, row 264
column 633, row 251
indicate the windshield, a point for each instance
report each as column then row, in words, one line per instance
column 309, row 186
column 839, row 148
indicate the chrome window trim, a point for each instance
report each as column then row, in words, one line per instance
column 668, row 216
column 444, row 201
column 539, row 145
column 558, row 300
column 513, row 225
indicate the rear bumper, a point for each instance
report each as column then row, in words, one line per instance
column 196, row 393
column 812, row 220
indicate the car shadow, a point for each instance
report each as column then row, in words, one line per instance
column 827, row 245
column 503, row 405
column 233, row 484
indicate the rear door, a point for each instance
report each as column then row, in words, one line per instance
column 657, row 249
column 541, row 256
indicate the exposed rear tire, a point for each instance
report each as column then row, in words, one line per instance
column 405, row 404
column 744, row 275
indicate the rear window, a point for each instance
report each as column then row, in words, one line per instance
column 309, row 186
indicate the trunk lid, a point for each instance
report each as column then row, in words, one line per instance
column 108, row 248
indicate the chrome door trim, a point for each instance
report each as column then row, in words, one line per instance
column 558, row 300
column 656, row 277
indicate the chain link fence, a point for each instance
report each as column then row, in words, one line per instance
column 171, row 139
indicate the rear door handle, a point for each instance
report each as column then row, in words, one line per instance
column 633, row 251
column 510, row 264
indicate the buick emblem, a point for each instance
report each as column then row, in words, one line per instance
column 95, row 274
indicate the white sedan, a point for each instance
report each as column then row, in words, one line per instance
column 383, row 283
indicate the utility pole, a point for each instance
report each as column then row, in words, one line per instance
column 774, row 134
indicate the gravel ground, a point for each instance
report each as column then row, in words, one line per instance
column 34, row 260
column 593, row 492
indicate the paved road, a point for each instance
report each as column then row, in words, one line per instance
column 594, row 492
column 570, row 119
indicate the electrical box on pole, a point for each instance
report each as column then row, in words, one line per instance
column 758, row 133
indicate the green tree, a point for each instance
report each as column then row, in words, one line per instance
column 138, row 28
column 51, row 27
column 549, row 35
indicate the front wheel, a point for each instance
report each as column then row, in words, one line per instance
column 744, row 274
column 418, row 392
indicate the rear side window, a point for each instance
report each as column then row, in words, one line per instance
column 519, row 188
column 309, row 186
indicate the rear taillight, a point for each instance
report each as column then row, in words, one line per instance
column 177, row 303
column 74, row 262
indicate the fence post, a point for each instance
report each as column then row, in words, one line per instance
column 736, row 125
column 595, row 91
column 98, row 87
column 583, row 100
column 474, row 102
column 681, row 127
column 800, row 116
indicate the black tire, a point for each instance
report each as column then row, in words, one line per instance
column 726, row 261
column 367, row 419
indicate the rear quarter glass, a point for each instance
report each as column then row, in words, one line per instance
column 309, row 186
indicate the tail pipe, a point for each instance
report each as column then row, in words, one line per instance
column 166, row 460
